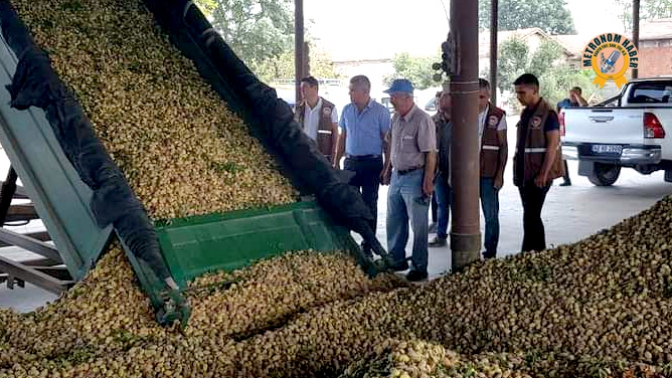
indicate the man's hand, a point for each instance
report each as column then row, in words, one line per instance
column 541, row 180
column 499, row 182
column 386, row 175
column 428, row 186
column 336, row 164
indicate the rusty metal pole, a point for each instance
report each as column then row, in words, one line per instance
column 635, row 31
column 494, row 28
column 465, row 235
column 298, row 47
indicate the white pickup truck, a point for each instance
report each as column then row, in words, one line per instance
column 631, row 130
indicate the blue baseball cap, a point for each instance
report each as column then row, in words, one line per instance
column 401, row 85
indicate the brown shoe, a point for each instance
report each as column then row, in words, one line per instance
column 437, row 242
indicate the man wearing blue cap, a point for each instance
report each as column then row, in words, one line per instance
column 410, row 174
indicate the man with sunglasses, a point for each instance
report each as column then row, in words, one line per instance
column 494, row 153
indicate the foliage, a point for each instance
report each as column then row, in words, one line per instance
column 257, row 30
column 555, row 75
column 552, row 16
column 282, row 67
column 416, row 69
column 648, row 10
column 261, row 32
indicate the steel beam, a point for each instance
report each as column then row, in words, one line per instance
column 299, row 55
column 39, row 235
column 29, row 244
column 494, row 29
column 635, row 31
column 465, row 237
column 21, row 212
column 17, row 270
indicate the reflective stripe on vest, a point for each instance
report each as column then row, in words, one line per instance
column 324, row 132
column 535, row 150
column 491, row 148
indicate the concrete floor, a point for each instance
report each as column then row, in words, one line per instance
column 570, row 214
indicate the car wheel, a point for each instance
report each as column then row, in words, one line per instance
column 604, row 174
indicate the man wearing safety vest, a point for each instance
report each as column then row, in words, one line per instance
column 317, row 117
column 494, row 153
column 538, row 159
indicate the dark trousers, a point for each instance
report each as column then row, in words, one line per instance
column 367, row 181
column 444, row 198
column 534, row 238
column 490, row 205
column 434, row 208
column 566, row 177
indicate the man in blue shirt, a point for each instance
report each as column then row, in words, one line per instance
column 363, row 124
column 574, row 100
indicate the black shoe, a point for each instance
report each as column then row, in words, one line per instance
column 489, row 255
column 366, row 249
column 416, row 275
column 566, row 183
column 400, row 267
column 432, row 228
column 437, row 242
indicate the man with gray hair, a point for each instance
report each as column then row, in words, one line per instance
column 410, row 174
column 364, row 124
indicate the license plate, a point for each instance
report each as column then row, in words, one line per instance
column 607, row 149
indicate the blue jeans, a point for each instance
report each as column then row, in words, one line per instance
column 444, row 199
column 405, row 201
column 490, row 205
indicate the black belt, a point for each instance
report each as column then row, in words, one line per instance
column 407, row 171
column 363, row 157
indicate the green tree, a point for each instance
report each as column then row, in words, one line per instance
column 552, row 16
column 513, row 56
column 418, row 70
column 648, row 10
column 257, row 30
column 282, row 67
column 555, row 75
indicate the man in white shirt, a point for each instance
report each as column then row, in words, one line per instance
column 494, row 154
column 317, row 117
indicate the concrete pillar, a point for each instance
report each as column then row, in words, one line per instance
column 494, row 28
column 465, row 236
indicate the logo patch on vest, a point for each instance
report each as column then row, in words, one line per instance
column 493, row 121
column 326, row 111
column 536, row 122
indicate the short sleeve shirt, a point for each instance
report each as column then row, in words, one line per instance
column 412, row 136
column 365, row 130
